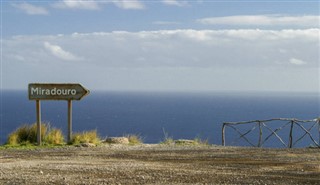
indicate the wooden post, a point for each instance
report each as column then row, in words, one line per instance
column 260, row 134
column 223, row 136
column 290, row 135
column 69, row 120
column 38, row 110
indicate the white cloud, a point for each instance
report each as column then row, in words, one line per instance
column 298, row 62
column 174, row 48
column 96, row 4
column 31, row 9
column 175, row 3
column 58, row 52
column 77, row 4
column 131, row 4
column 169, row 59
column 264, row 20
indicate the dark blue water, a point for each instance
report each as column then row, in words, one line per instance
column 181, row 115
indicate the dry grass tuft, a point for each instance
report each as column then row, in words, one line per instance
column 26, row 134
column 54, row 137
column 86, row 137
column 134, row 139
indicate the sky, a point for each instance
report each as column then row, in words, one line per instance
column 163, row 45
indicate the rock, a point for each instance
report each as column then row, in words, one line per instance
column 117, row 140
column 87, row 145
column 184, row 142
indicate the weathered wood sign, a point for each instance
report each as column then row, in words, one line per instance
column 55, row 91
column 38, row 91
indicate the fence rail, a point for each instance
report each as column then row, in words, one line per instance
column 263, row 124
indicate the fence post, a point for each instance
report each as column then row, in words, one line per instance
column 38, row 110
column 290, row 134
column 223, row 136
column 260, row 134
column 69, row 120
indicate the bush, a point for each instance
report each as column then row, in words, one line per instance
column 85, row 137
column 19, row 135
column 26, row 134
column 13, row 139
column 32, row 138
column 134, row 139
column 54, row 137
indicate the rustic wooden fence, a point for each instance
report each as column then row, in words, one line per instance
column 262, row 125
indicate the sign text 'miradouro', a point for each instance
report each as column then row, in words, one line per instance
column 45, row 91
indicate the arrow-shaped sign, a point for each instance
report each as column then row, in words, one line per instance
column 55, row 91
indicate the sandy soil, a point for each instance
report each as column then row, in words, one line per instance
column 159, row 164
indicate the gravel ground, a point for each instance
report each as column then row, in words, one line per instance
column 159, row 164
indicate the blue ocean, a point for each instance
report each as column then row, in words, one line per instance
column 151, row 114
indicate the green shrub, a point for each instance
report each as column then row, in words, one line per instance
column 26, row 134
column 54, row 137
column 86, row 137
column 22, row 133
column 13, row 139
column 32, row 138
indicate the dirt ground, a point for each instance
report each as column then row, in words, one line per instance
column 159, row 164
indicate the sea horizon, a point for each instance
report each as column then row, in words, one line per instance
column 183, row 115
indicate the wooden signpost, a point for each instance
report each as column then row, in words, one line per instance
column 55, row 91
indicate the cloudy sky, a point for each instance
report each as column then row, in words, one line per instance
column 163, row 45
